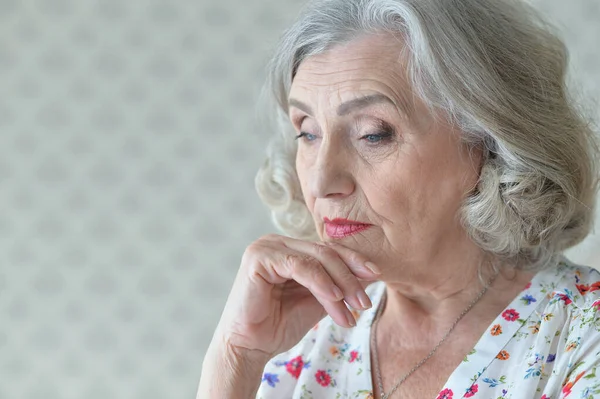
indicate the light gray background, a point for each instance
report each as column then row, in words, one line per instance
column 128, row 148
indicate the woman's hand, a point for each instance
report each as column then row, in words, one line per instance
column 285, row 286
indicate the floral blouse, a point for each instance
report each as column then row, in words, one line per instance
column 544, row 345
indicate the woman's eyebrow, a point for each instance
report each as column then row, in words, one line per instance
column 362, row 102
column 350, row 105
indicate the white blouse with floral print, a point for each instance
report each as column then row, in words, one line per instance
column 544, row 345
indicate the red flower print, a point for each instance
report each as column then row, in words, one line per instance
column 569, row 385
column 502, row 355
column 528, row 285
column 510, row 314
column 565, row 297
column 496, row 330
column 471, row 391
column 323, row 378
column 353, row 356
column 294, row 366
column 545, row 397
column 445, row 394
column 582, row 288
column 596, row 305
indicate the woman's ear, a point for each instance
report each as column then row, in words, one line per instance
column 482, row 155
column 478, row 154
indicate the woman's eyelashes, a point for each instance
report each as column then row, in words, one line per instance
column 372, row 139
column 384, row 132
column 308, row 136
column 376, row 138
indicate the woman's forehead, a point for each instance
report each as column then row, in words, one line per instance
column 362, row 66
column 371, row 54
column 359, row 69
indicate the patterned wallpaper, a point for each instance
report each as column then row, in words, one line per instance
column 128, row 148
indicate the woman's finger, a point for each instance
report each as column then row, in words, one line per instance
column 309, row 272
column 342, row 273
column 314, row 266
column 349, row 256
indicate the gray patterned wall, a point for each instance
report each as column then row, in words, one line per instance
column 128, row 147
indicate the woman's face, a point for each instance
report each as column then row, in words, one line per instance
column 370, row 152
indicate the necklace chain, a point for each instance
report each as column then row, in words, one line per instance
column 416, row 366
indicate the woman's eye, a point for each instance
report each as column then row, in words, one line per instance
column 376, row 138
column 308, row 136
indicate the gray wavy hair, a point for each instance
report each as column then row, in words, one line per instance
column 494, row 68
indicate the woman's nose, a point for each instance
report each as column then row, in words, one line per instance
column 331, row 174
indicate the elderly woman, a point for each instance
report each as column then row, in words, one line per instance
column 428, row 173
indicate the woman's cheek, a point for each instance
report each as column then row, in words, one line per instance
column 385, row 153
column 301, row 165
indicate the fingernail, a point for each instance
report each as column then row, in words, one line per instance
column 350, row 318
column 339, row 295
column 364, row 300
column 371, row 266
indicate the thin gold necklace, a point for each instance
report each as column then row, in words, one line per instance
column 415, row 367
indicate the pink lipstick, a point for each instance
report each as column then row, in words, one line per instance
column 340, row 228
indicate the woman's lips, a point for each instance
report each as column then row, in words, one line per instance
column 340, row 228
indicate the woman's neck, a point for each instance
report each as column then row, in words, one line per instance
column 421, row 313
